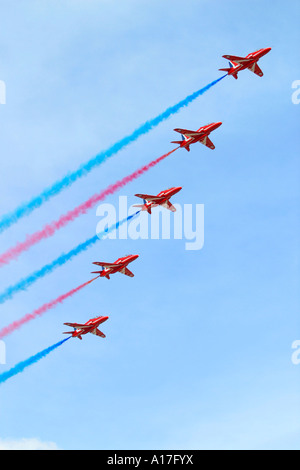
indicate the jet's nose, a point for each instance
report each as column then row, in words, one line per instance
column 134, row 257
column 217, row 124
column 179, row 188
column 266, row 50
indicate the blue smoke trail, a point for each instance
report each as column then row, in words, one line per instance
column 25, row 209
column 64, row 258
column 28, row 362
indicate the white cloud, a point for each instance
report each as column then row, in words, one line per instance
column 26, row 444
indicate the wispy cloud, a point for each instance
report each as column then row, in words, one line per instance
column 27, row 444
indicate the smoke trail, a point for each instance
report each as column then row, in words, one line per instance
column 40, row 311
column 50, row 229
column 25, row 209
column 64, row 258
column 30, row 361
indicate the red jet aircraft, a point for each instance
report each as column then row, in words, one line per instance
column 118, row 266
column 236, row 64
column 201, row 135
column 162, row 199
column 89, row 327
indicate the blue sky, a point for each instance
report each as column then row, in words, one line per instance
column 198, row 348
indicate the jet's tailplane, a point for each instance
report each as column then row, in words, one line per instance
column 143, row 207
column 180, row 143
column 101, row 273
column 230, row 71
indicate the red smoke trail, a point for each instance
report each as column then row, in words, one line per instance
column 50, row 229
column 40, row 311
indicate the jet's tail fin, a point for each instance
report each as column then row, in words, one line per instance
column 230, row 71
column 144, row 207
column 101, row 273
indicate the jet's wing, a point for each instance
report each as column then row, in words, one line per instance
column 206, row 141
column 255, row 69
column 97, row 332
column 236, row 59
column 106, row 265
column 148, row 197
column 169, row 206
column 78, row 325
column 187, row 132
column 127, row 272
